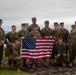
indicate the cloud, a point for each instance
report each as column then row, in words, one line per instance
column 18, row 11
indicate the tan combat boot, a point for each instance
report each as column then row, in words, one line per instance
column 52, row 62
column 18, row 70
column 63, row 64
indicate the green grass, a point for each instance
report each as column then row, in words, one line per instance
column 11, row 72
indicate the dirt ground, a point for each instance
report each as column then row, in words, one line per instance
column 53, row 70
column 48, row 70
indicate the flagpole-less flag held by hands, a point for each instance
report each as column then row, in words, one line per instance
column 36, row 48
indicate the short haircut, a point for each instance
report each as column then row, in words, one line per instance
column 13, row 26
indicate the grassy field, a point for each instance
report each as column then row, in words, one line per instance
column 11, row 72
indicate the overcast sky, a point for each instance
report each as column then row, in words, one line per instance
column 21, row 11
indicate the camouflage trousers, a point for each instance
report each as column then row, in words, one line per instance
column 61, row 59
column 17, row 62
column 72, row 53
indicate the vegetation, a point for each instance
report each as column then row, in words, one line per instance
column 11, row 72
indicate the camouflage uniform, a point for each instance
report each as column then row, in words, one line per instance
column 30, row 28
column 46, row 31
column 34, row 34
column 22, row 33
column 11, row 39
column 2, row 38
column 72, row 46
column 60, row 49
column 16, row 56
column 64, row 34
column 56, row 33
column 73, row 27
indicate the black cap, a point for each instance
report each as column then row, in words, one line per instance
column 23, row 24
column 55, row 23
column 1, row 21
column 47, row 22
column 61, row 23
column 73, row 26
column 34, row 18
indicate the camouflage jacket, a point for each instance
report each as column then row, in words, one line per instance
column 46, row 32
column 64, row 34
column 34, row 34
column 56, row 33
column 59, row 48
column 2, row 34
column 10, row 37
column 72, row 39
column 30, row 28
column 22, row 33
column 16, row 50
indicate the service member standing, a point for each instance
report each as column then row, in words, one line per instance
column 56, row 31
column 46, row 32
column 2, row 39
column 10, row 39
column 30, row 28
column 65, row 32
column 35, row 33
column 23, row 34
column 72, row 45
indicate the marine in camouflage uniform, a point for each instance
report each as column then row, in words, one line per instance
column 46, row 32
column 35, row 34
column 64, row 34
column 56, row 31
column 30, row 28
column 72, row 45
column 16, row 54
column 10, row 39
column 23, row 33
column 2, row 39
column 60, row 52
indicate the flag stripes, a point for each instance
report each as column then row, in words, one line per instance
column 39, row 48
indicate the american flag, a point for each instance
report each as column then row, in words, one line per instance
column 36, row 48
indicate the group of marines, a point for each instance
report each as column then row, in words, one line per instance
column 64, row 49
